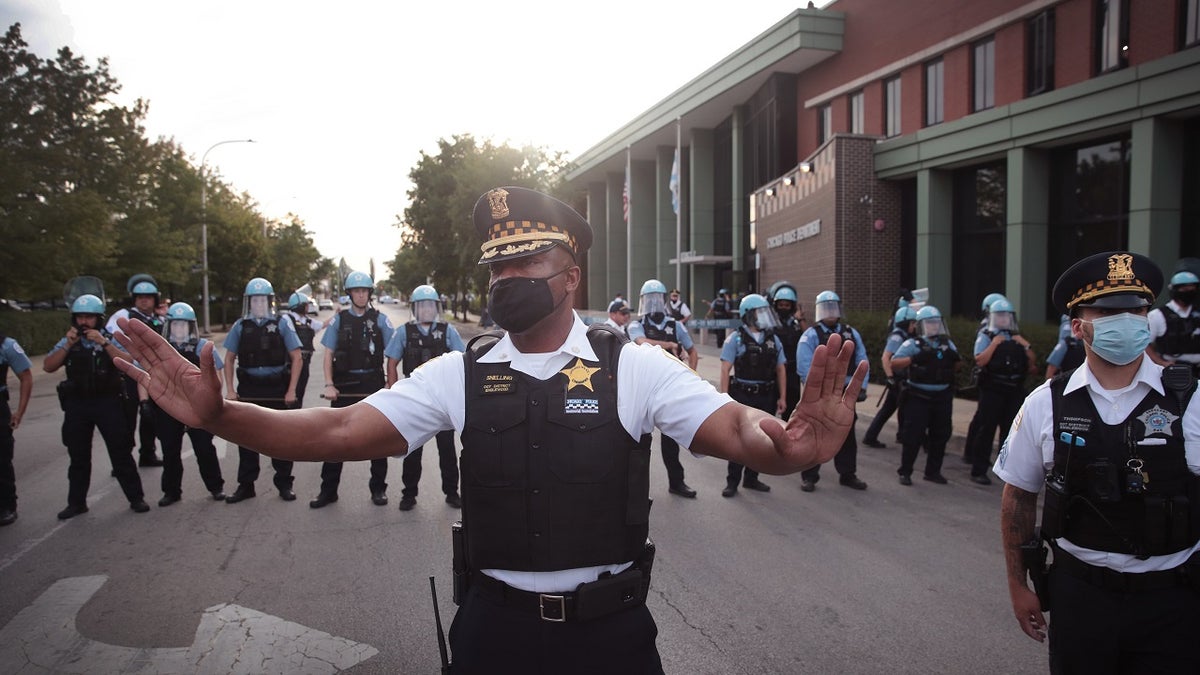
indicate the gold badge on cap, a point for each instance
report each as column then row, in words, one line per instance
column 498, row 200
column 1120, row 268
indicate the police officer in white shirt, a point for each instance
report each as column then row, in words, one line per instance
column 555, row 463
column 618, row 314
column 1116, row 445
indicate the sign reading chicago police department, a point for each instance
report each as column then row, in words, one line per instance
column 794, row 235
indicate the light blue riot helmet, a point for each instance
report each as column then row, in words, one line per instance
column 88, row 304
column 653, row 300
column 785, row 293
column 774, row 289
column 1180, row 291
column 144, row 288
column 180, row 327
column 723, row 291
column 358, row 279
column 1183, row 279
column 258, row 299
column 425, row 303
column 828, row 306
column 298, row 302
column 1002, row 316
column 930, row 323
column 904, row 315
column 757, row 313
column 989, row 299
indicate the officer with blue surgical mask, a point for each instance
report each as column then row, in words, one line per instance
column 1116, row 444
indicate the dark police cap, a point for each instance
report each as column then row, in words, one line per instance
column 617, row 306
column 1113, row 280
column 516, row 222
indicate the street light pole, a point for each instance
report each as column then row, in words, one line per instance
column 204, row 222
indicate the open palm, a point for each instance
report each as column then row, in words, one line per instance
column 189, row 394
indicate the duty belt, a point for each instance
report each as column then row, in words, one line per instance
column 563, row 607
column 755, row 387
column 1112, row 580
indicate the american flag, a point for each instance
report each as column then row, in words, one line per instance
column 625, row 196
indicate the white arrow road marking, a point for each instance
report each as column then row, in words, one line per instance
column 42, row 638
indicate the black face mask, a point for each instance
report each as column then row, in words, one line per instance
column 1185, row 298
column 657, row 317
column 518, row 303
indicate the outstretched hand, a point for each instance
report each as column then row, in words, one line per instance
column 189, row 394
column 819, row 424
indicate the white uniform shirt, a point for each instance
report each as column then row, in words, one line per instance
column 1158, row 328
column 1028, row 452
column 654, row 389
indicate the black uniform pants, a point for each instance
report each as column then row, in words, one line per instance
column 144, row 433
column 927, row 418
column 410, row 474
column 1096, row 631
column 81, row 418
column 670, row 457
column 489, row 637
column 268, row 396
column 8, row 477
column 793, row 392
column 997, row 408
column 302, row 383
column 845, row 461
column 350, row 393
column 764, row 402
column 891, row 403
column 170, row 436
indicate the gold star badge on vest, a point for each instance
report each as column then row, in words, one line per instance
column 1157, row 421
column 579, row 375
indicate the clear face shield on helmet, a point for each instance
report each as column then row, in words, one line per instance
column 652, row 303
column 1006, row 321
column 426, row 311
column 181, row 332
column 931, row 327
column 257, row 307
column 829, row 309
column 761, row 318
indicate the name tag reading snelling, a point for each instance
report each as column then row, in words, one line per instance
column 498, row 384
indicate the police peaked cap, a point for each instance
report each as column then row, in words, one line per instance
column 516, row 222
column 1112, row 280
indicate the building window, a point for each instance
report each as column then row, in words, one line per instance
column 1039, row 54
column 856, row 111
column 891, row 106
column 980, row 216
column 935, row 89
column 824, row 123
column 983, row 69
column 1112, row 34
column 1191, row 22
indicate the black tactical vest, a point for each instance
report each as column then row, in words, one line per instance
column 550, row 478
column 789, row 335
column 307, row 335
column 847, row 334
column 665, row 334
column 90, row 372
column 1075, row 355
column 1182, row 336
column 1089, row 497
column 1008, row 365
column 934, row 363
column 154, row 321
column 899, row 332
column 188, row 351
column 261, row 346
column 757, row 362
column 360, row 342
column 420, row 347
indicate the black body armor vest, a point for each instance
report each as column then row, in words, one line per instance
column 419, row 347
column 261, row 346
column 899, row 373
column 789, row 335
column 1075, row 354
column 155, row 322
column 665, row 334
column 1182, row 336
column 360, row 342
column 757, row 362
column 188, row 351
column 1093, row 496
column 307, row 335
column 934, row 364
column 90, row 372
column 550, row 478
column 1008, row 365
column 847, row 334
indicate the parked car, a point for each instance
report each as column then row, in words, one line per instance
column 344, row 300
column 386, row 300
column 325, row 303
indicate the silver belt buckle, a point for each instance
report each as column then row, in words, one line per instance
column 552, row 601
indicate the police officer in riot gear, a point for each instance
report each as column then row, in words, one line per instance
column 754, row 373
column 1004, row 357
column 929, row 360
column 354, row 352
column 827, row 311
column 655, row 327
column 12, row 357
column 1175, row 326
column 720, row 308
column 179, row 328
column 424, row 337
column 264, row 352
column 306, row 329
column 902, row 327
column 783, row 297
column 1068, row 352
column 143, row 291
column 91, row 398
column 1121, row 437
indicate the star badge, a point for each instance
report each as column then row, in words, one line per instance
column 1157, row 421
column 579, row 375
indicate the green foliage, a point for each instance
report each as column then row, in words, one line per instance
column 293, row 257
column 36, row 332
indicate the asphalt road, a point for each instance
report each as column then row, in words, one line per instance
column 893, row 579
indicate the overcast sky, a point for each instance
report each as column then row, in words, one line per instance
column 340, row 98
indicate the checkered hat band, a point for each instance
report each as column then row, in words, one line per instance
column 1104, row 287
column 512, row 231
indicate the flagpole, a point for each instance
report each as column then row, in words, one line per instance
column 679, row 206
column 629, row 225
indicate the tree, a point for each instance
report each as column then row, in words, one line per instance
column 293, row 257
